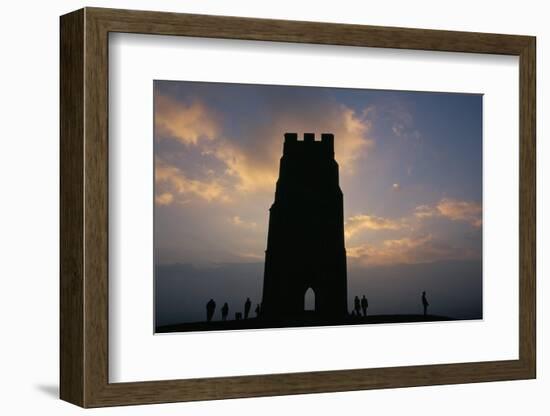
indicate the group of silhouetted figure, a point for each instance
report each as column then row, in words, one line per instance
column 360, row 306
column 211, row 308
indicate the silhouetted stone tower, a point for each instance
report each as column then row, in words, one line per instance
column 305, row 243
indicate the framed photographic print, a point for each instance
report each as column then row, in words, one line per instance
column 255, row 207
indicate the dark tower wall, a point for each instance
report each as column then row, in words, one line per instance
column 305, row 244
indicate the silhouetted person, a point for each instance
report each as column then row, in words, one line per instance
column 425, row 303
column 225, row 311
column 238, row 316
column 257, row 310
column 364, row 305
column 247, row 305
column 357, row 304
column 210, row 308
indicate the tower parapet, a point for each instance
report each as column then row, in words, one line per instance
column 323, row 147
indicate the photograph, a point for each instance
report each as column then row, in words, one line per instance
column 301, row 206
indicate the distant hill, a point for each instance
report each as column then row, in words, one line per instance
column 254, row 323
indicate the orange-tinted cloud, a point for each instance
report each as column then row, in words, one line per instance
column 461, row 211
column 251, row 162
column 407, row 250
column 425, row 211
column 165, row 198
column 239, row 222
column 189, row 124
column 253, row 172
column 171, row 180
column 352, row 138
column 255, row 162
column 361, row 222
column 411, row 246
column 455, row 210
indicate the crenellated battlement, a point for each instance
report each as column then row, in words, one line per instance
column 292, row 144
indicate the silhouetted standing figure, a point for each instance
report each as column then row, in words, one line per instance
column 225, row 311
column 247, row 305
column 425, row 303
column 364, row 305
column 357, row 304
column 210, row 308
column 257, row 310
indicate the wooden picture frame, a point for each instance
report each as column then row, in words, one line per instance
column 84, row 207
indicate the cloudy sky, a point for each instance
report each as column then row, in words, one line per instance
column 410, row 170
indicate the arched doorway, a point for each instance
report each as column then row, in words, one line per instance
column 309, row 300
